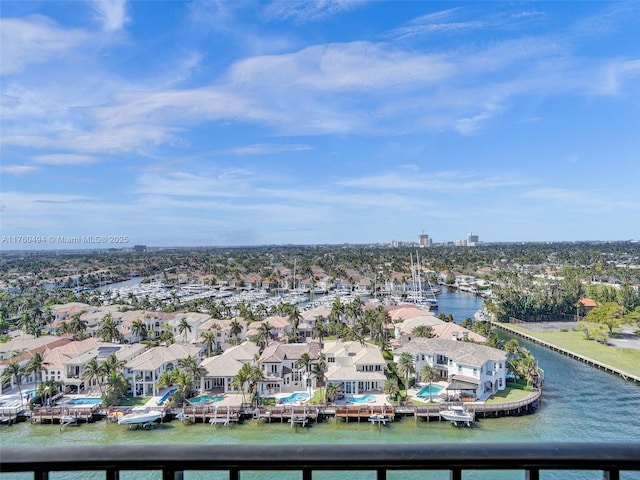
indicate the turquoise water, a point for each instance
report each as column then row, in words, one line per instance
column 205, row 399
column 432, row 390
column 84, row 401
column 295, row 398
column 363, row 399
column 565, row 415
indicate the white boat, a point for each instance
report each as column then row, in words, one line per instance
column 137, row 417
column 457, row 414
column 378, row 419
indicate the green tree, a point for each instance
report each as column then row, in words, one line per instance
column 139, row 329
column 235, row 329
column 391, row 388
column 36, row 365
column 609, row 314
column 422, row 331
column 184, row 327
column 14, row 372
column 405, row 367
column 429, row 374
column 109, row 330
column 94, row 371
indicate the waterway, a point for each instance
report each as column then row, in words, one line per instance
column 579, row 404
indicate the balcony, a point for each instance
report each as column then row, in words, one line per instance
column 609, row 459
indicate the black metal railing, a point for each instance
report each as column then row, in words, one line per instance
column 173, row 460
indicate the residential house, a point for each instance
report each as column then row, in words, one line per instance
column 358, row 368
column 471, row 367
column 222, row 369
column 144, row 371
column 279, row 366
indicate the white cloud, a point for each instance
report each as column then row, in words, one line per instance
column 65, row 159
column 18, row 169
column 268, row 149
column 111, row 13
column 301, row 11
column 34, row 39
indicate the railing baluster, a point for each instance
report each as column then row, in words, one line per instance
column 41, row 475
column 611, row 475
column 532, row 474
column 307, row 474
column 112, row 474
column 234, row 474
column 455, row 474
column 381, row 474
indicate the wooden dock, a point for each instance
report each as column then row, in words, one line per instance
column 212, row 414
column 9, row 415
column 364, row 412
column 63, row 414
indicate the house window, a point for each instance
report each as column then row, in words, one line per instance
column 459, row 368
column 475, row 371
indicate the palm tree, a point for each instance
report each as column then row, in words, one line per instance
column 304, row 363
column 184, row 383
column 264, row 333
column 94, row 370
column 235, row 329
column 117, row 387
column 166, row 379
column 191, row 367
column 183, row 327
column 294, row 318
column 429, row 374
column 333, row 391
column 109, row 330
column 139, row 329
column 78, row 326
column 36, row 366
column 241, row 379
column 391, row 387
column 318, row 371
column 319, row 329
column 14, row 372
column 406, row 368
column 422, row 331
column 208, row 339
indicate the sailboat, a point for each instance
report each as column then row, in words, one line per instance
column 424, row 298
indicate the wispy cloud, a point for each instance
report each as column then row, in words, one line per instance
column 34, row 39
column 65, row 159
column 111, row 13
column 267, row 149
column 18, row 169
column 302, row 11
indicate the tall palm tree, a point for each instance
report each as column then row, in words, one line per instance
column 94, row 371
column 109, row 330
column 429, row 374
column 304, row 363
column 183, row 327
column 78, row 326
column 406, row 368
column 190, row 366
column 36, row 365
column 139, row 329
column 319, row 329
column 13, row 372
column 318, row 371
column 391, row 387
column 264, row 333
column 235, row 330
column 294, row 318
column 241, row 379
column 209, row 340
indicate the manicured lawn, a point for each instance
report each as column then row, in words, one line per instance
column 508, row 395
column 625, row 359
column 130, row 401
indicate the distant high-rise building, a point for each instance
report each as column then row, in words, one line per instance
column 472, row 240
column 424, row 240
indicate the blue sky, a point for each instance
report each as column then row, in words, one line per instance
column 251, row 123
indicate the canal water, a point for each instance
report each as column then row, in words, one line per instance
column 579, row 404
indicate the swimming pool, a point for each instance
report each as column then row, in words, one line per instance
column 84, row 401
column 205, row 399
column 29, row 393
column 362, row 399
column 298, row 397
column 434, row 389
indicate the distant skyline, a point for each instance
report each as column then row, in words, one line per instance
column 245, row 123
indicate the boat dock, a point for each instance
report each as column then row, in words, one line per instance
column 212, row 414
column 360, row 413
column 9, row 415
column 63, row 414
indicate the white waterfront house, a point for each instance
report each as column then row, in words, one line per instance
column 358, row 368
column 145, row 370
column 468, row 365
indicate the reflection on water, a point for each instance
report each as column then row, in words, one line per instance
column 579, row 404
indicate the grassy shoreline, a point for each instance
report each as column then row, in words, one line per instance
column 625, row 359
